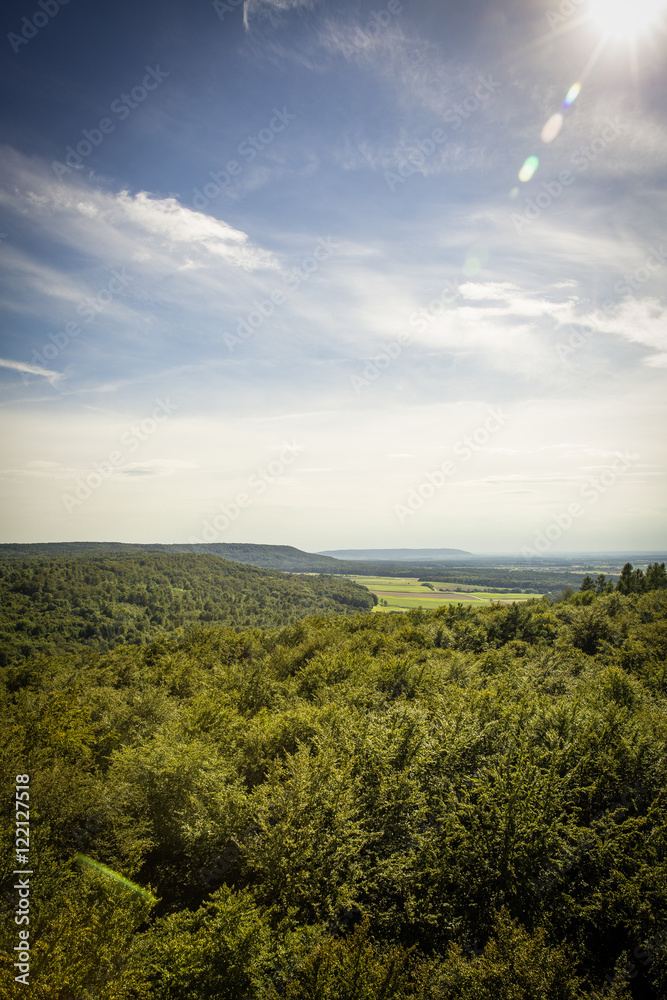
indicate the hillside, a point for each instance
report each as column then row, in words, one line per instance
column 63, row 603
column 282, row 557
column 533, row 577
column 279, row 557
column 447, row 805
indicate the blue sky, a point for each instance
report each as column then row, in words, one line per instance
column 269, row 274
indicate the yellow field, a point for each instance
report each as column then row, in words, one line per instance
column 403, row 593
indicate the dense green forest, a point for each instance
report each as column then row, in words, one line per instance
column 280, row 557
column 444, row 804
column 52, row 604
column 511, row 575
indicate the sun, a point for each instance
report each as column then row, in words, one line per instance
column 626, row 18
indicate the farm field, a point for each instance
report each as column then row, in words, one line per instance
column 401, row 594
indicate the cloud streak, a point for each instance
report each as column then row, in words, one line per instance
column 27, row 369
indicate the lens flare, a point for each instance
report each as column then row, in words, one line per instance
column 529, row 168
column 476, row 258
column 572, row 95
column 98, row 867
column 625, row 18
column 552, row 128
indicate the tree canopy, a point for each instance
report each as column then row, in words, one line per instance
column 461, row 803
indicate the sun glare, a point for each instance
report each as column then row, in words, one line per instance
column 626, row 18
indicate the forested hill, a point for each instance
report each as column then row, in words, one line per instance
column 461, row 804
column 533, row 576
column 281, row 557
column 61, row 603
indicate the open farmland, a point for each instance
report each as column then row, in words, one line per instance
column 403, row 593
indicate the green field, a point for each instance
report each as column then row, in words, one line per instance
column 401, row 594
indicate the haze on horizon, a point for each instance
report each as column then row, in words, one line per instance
column 269, row 275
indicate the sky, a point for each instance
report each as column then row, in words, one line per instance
column 334, row 274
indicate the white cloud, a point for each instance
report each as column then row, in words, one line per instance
column 22, row 366
column 121, row 226
column 176, row 226
column 640, row 321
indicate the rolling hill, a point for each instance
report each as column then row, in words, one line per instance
column 279, row 557
column 103, row 601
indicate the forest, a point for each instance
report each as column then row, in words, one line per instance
column 461, row 803
column 63, row 603
column 535, row 575
column 281, row 557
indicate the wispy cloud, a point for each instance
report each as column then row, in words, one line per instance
column 27, row 369
column 155, row 467
column 121, row 226
column 640, row 321
column 368, row 85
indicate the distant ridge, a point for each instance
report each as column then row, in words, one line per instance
column 395, row 555
column 281, row 557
